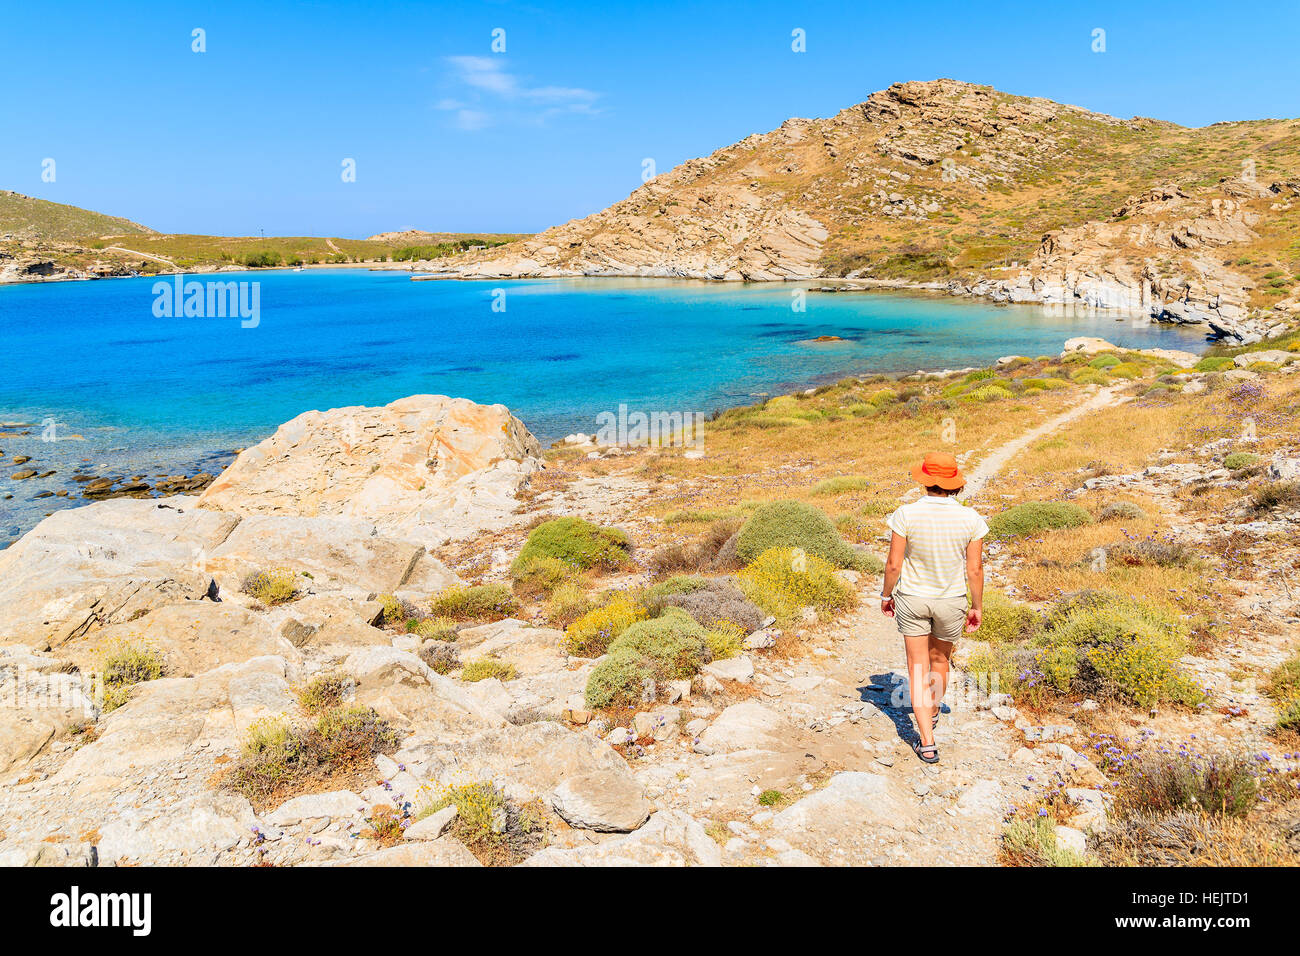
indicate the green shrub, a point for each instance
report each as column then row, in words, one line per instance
column 1284, row 681
column 1125, row 648
column 783, row 581
column 276, row 586
column 1240, row 459
column 433, row 628
column 841, row 484
column 1035, row 516
column 1005, row 620
column 771, row 798
column 568, row 602
column 1088, row 376
column 1214, row 364
column 1186, row 780
column 792, row 524
column 1289, row 717
column 1128, row 370
column 475, row 603
column 123, row 666
column 486, row 668
column 1043, row 384
column 323, row 692
column 540, row 575
column 988, row 393
column 725, row 640
column 664, row 648
column 1104, row 361
column 993, row 667
column 1031, row 841
column 592, row 633
column 578, row 543
column 276, row 758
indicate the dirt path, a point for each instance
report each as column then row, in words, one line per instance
column 145, row 255
column 996, row 460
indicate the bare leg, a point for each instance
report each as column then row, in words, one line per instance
column 918, row 675
column 940, row 653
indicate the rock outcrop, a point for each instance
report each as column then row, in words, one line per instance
column 427, row 467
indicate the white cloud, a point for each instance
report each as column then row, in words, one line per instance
column 486, row 91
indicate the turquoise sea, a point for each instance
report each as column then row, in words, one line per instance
column 132, row 392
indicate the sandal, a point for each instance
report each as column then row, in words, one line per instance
column 929, row 753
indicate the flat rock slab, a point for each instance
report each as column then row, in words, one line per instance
column 670, row 838
column 851, row 799
column 443, row 852
column 748, row 725
column 604, row 800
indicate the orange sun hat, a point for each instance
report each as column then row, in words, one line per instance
column 939, row 469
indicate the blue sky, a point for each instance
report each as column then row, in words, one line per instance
column 448, row 135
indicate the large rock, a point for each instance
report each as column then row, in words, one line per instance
column 347, row 555
column 430, row 466
column 748, row 725
column 604, row 800
column 165, row 717
column 193, row 829
column 671, row 838
column 85, row 568
column 401, row 687
column 191, row 637
column 851, row 800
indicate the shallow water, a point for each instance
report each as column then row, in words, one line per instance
column 131, row 392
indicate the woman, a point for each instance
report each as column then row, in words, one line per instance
column 935, row 559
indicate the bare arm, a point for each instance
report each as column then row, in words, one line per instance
column 975, row 581
column 893, row 568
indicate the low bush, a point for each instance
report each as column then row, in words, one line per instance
column 277, row 586
column 725, row 640
column 592, row 633
column 1005, row 620
column 1104, row 361
column 441, row 657
column 651, row 651
column 486, row 668
column 1033, row 517
column 1120, row 511
column 540, row 575
column 783, row 581
column 842, row 484
column 1031, row 841
column 578, row 543
column 1125, row 648
column 323, row 692
column 433, row 628
column 567, row 603
column 1275, row 494
column 476, row 603
column 792, row 524
column 277, row 758
column 1214, row 364
column 712, row 603
column 496, row 830
column 125, row 664
column 1153, row 551
column 1240, row 459
column 1185, row 779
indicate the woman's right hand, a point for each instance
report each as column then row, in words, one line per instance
column 887, row 606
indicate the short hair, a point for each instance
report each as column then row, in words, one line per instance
column 936, row 490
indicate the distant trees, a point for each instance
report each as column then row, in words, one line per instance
column 262, row 260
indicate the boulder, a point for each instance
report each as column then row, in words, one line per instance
column 603, row 800
column 193, row 637
column 670, row 838
column 401, row 687
column 343, row 804
column 111, row 561
column 428, row 466
column 748, row 725
column 851, row 799
column 196, row 826
column 1276, row 356
column 338, row 554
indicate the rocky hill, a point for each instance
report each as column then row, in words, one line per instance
column 24, row 217
column 949, row 183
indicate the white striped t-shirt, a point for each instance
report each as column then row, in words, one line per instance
column 937, row 530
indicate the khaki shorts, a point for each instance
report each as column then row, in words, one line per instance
column 943, row 617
